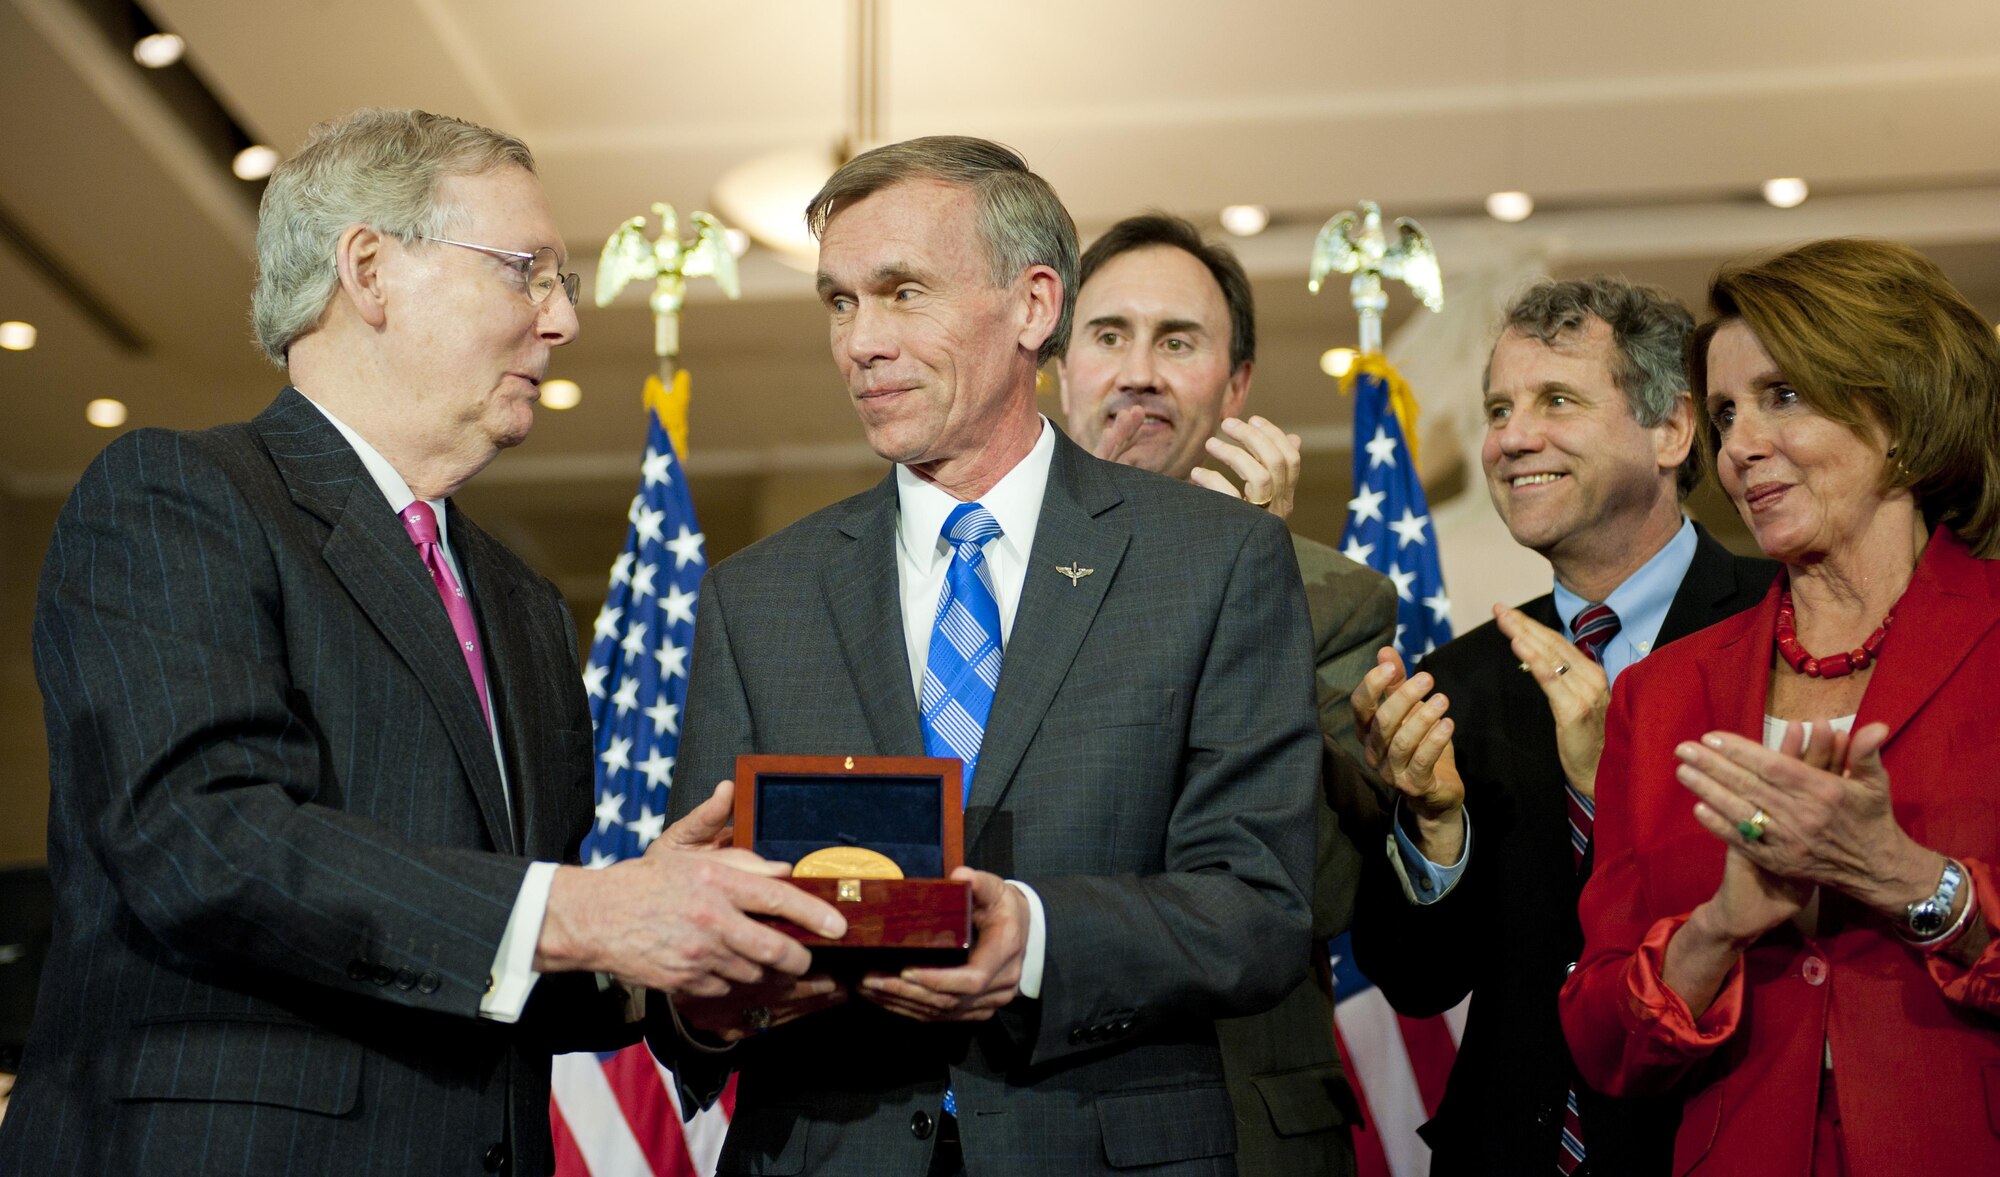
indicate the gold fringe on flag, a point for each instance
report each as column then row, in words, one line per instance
column 672, row 409
column 1401, row 400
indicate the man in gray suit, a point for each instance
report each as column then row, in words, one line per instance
column 317, row 744
column 1165, row 340
column 1122, row 660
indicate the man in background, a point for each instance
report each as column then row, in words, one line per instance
column 1492, row 744
column 1161, row 358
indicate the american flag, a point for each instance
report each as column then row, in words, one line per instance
column 1397, row 1064
column 1398, row 1067
column 617, row 1115
column 1389, row 519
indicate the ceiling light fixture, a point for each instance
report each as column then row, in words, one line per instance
column 1510, row 207
column 767, row 194
column 105, row 413
column 158, row 50
column 16, row 335
column 1337, row 362
column 561, row 394
column 1246, row 220
column 254, row 162
column 1785, row 192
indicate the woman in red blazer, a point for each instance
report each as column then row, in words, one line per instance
column 1807, row 956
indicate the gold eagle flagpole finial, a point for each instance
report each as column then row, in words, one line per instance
column 1354, row 243
column 668, row 262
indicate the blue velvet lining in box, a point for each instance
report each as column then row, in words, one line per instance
column 898, row 816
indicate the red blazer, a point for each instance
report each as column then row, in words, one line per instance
column 1915, row 1040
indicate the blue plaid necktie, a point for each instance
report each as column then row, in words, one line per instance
column 964, row 664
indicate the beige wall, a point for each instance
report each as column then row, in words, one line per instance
column 24, row 762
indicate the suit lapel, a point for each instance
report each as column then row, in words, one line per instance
column 372, row 556
column 862, row 593
column 1948, row 607
column 1710, row 582
column 1057, row 612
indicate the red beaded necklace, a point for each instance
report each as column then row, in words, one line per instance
column 1833, row 665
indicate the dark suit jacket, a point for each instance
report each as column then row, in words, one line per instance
column 1147, row 768
column 1507, row 933
column 278, row 838
column 1916, row 1044
column 1294, row 1107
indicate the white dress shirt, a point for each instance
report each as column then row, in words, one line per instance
column 922, row 560
column 513, row 971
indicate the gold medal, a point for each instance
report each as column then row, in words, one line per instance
column 846, row 862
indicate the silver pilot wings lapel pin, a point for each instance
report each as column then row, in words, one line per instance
column 1075, row 573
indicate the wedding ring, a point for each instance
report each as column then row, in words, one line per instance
column 758, row 1017
column 1264, row 502
column 1562, row 668
column 1753, row 829
column 1525, row 668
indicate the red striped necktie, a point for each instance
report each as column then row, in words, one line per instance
column 1592, row 628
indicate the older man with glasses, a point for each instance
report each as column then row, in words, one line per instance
column 319, row 755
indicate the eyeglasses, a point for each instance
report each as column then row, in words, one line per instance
column 538, row 269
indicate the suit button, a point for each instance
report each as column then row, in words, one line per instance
column 428, row 983
column 1814, row 970
column 1546, row 1116
column 383, row 974
column 357, row 969
column 921, row 1125
column 495, row 1159
column 406, row 979
column 1076, row 1036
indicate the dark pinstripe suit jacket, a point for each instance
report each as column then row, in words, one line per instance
column 1148, row 767
column 280, row 847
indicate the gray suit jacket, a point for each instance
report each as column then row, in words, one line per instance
column 281, row 851
column 1147, row 768
column 1294, row 1108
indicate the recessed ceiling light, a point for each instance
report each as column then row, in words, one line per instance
column 739, row 241
column 105, row 413
column 1246, row 220
column 561, row 394
column 1785, row 192
column 16, row 335
column 1509, row 206
column 254, row 162
column 158, row 51
column 1337, row 362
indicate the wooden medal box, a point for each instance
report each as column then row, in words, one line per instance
column 907, row 808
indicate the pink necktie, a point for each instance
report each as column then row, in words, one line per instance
column 421, row 522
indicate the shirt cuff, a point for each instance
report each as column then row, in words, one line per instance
column 513, row 971
column 1033, row 955
column 1425, row 882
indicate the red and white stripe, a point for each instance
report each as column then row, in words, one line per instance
column 1397, row 1066
column 622, row 1118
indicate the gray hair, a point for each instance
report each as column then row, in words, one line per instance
column 1649, row 330
column 379, row 168
column 1023, row 222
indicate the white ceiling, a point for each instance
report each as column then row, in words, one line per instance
column 1642, row 129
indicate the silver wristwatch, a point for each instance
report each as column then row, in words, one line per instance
column 1927, row 918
